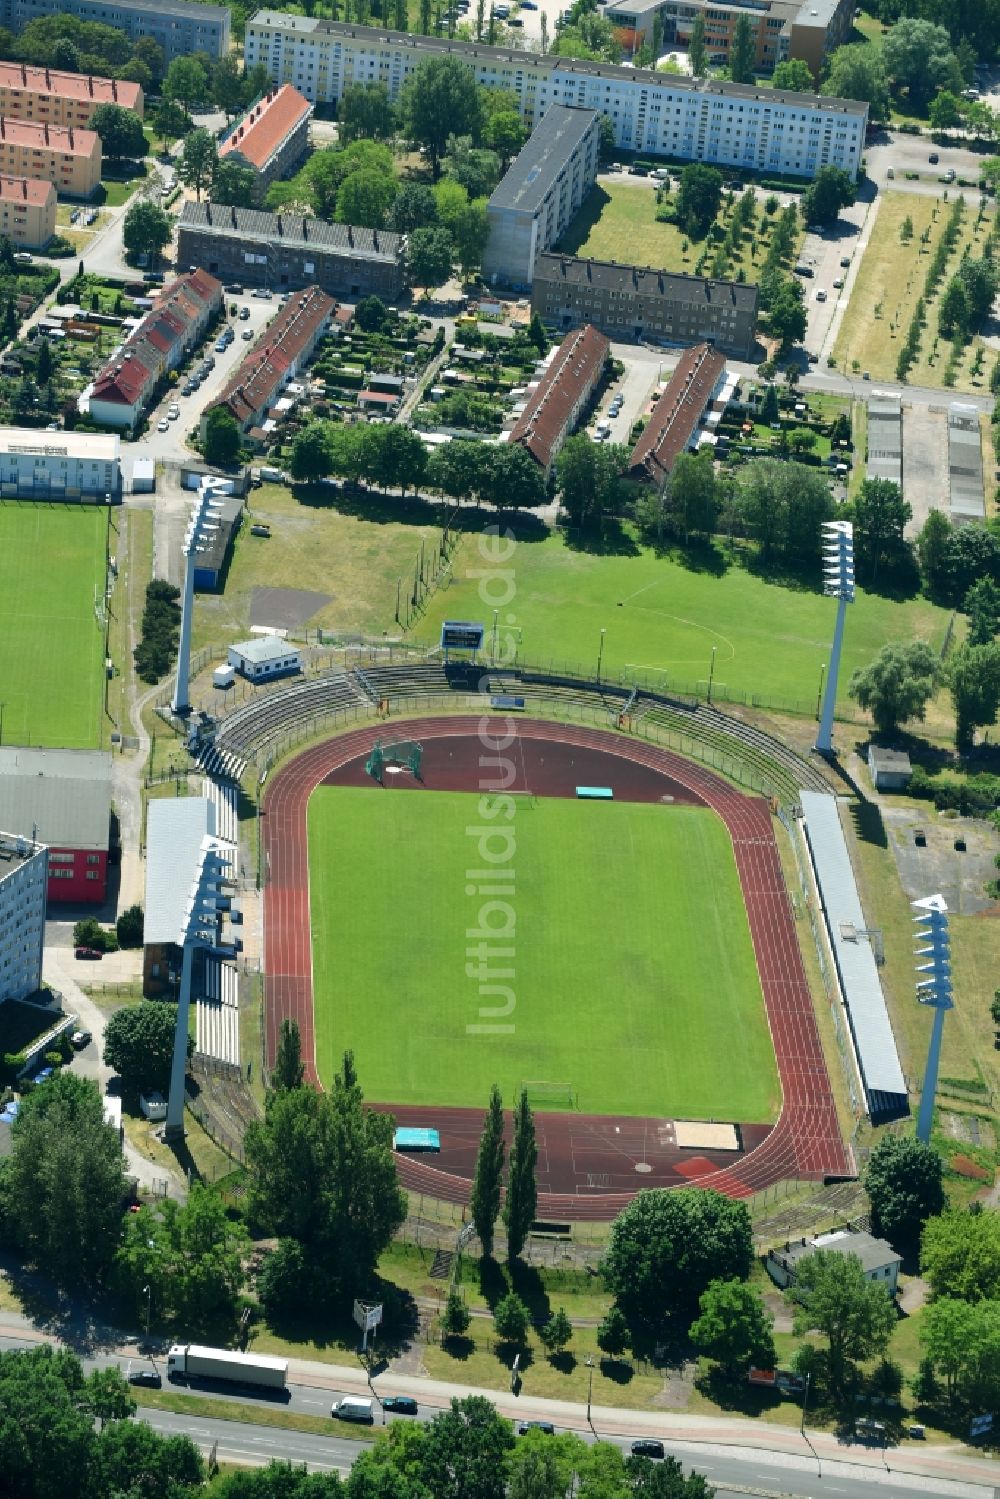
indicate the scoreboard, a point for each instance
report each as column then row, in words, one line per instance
column 461, row 635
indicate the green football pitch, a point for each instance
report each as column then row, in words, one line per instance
column 634, row 981
column 51, row 647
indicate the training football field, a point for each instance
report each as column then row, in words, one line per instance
column 634, row 974
column 51, row 647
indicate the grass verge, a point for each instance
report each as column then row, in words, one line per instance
column 260, row 1413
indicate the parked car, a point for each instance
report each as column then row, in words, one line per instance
column 263, row 293
column 838, row 282
column 94, row 954
column 79, row 1039
column 647, row 1447
column 244, row 314
column 403, row 1405
column 247, row 335
column 934, row 158
column 845, row 260
column 545, row 1426
column 820, row 295
column 150, row 1378
column 163, row 425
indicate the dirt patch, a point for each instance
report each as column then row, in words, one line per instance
column 962, row 1166
column 285, row 608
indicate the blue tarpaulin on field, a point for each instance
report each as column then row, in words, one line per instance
column 416, row 1139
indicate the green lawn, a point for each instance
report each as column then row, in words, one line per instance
column 662, row 620
column 615, row 908
column 51, row 649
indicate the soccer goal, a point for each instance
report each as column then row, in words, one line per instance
column 543, row 1095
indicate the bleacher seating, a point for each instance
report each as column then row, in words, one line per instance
column 224, row 794
column 419, row 678
column 252, row 726
column 217, row 1013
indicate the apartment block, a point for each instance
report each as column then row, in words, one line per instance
column 281, row 351
column 64, row 797
column 23, row 879
column 62, row 466
column 286, row 252
column 658, row 114
column 680, row 408
column 179, row 26
column 541, row 193
column 272, row 137
column 560, row 398
column 53, row 98
column 69, row 159
column 782, row 29
column 631, row 302
column 27, row 211
column 127, row 383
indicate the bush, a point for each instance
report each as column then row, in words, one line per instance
column 90, row 933
column 129, row 927
column 161, row 620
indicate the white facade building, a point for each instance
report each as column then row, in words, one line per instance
column 264, row 657
column 24, row 873
column 693, row 119
column 59, row 466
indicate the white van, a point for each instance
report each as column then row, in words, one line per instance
column 351, row 1408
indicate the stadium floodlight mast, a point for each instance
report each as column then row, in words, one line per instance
column 934, row 989
column 202, row 525
column 838, row 583
column 200, row 928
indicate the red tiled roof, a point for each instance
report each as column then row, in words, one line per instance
column 259, row 377
column 259, row 134
column 377, row 397
column 64, row 138
column 677, row 413
column 573, row 371
column 123, row 380
column 26, row 190
column 82, row 87
column 125, row 377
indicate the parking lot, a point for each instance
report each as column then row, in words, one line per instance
column 169, row 446
column 824, row 254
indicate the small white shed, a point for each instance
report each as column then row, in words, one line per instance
column 265, row 657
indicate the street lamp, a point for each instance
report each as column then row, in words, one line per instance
column 819, row 689
column 148, row 1293
column 600, row 656
column 838, row 583
column 590, row 1380
column 711, row 676
column 496, row 613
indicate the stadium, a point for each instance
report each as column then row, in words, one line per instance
column 568, row 907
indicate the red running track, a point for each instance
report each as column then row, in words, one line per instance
column 805, row 1142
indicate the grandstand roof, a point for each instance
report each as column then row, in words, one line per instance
column 175, row 827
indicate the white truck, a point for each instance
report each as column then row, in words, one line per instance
column 189, row 1362
column 351, row 1408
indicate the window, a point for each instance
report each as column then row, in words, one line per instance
column 93, row 858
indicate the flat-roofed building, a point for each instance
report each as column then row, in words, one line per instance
column 656, row 114
column 286, row 252
column 280, row 352
column 541, row 193
column 272, row 137
column 629, row 302
column 23, row 880
column 55, row 98
column 179, row 26
column 27, row 211
column 68, row 158
column 678, row 413
column 560, row 398
column 879, row 1261
column 62, row 797
column 38, row 465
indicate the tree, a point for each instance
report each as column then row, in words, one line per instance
column 556, row 1333
column 145, row 229
column 284, row 1283
column 414, row 207
column 782, row 506
column 120, row 131
column 131, row 1458
column 223, row 438
column 191, row 1254
column 139, row 1045
column 64, row 1181
column 456, row 1316
column 129, row 927
column 880, row 516
column 698, row 199
column 830, row 190
column 438, row 100
column 47, row 1436
column 795, row 74
column 44, row 364
column 429, row 257
column 858, row 71
column 199, row 157
column 465, row 1452
column 897, row 686
column 903, row 1180
column 919, row 60
column 742, row 51
column 981, row 281
column 311, row 456
column 169, row 121
column 472, row 167
column 975, row 690
column 962, row 1343
column 228, row 87
column 982, row 605
column 954, row 313
column 960, row 1255
column 233, row 185
column 511, row 1320
column 186, row 83
column 668, row 1246
column 470, row 231
column 365, row 199
column 308, row 1140
column 365, row 113
column 282, row 1480
column 945, row 111
column 856, row 1316
column 588, row 478
column 537, row 334
column 613, row 1335
column 484, row 1202
column 690, row 502
column 371, row 314
column 786, row 317
column 505, row 133
column 519, row 1203
column 696, row 45
column 733, row 1326
column 289, row 1069
column 108, row 1397
column 933, row 547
